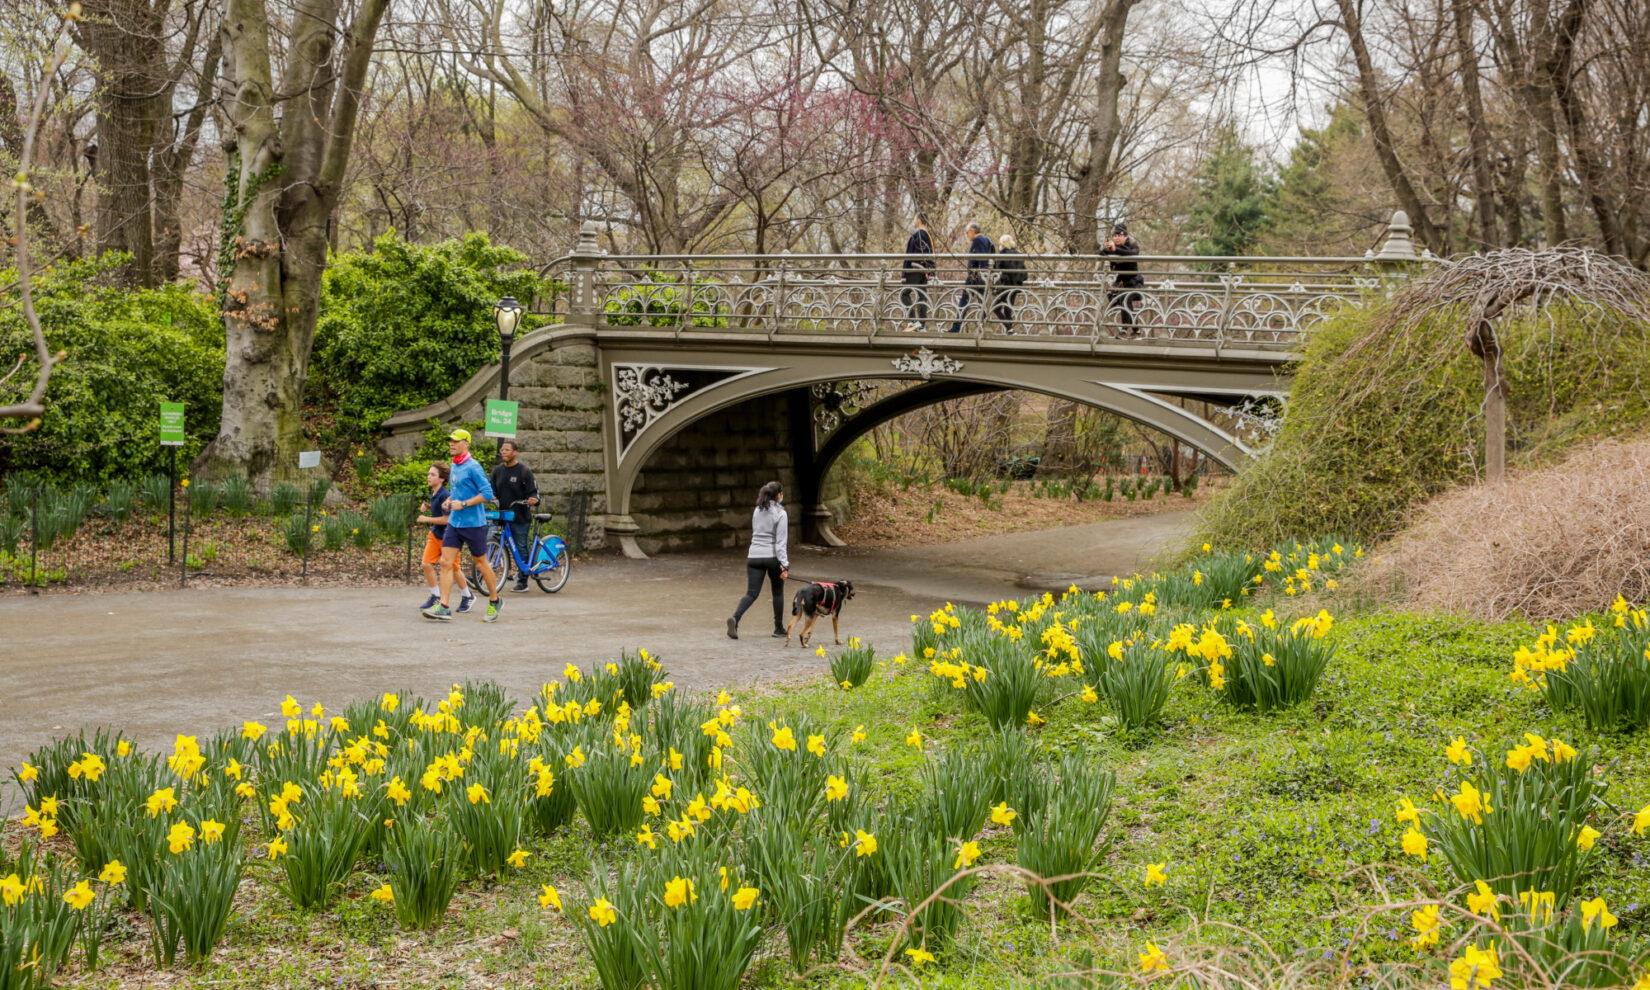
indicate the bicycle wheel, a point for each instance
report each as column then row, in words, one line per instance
column 497, row 556
column 553, row 579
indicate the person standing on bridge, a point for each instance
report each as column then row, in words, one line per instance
column 1123, row 296
column 768, row 557
column 1011, row 274
column 919, row 262
column 978, row 269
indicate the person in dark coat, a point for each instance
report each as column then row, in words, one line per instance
column 978, row 268
column 1122, row 297
column 1011, row 274
column 919, row 263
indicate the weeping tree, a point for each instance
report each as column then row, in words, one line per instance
column 1605, row 296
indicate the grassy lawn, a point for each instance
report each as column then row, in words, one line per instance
column 1277, row 831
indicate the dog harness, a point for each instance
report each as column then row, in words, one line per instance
column 832, row 598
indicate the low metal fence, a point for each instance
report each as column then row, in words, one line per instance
column 155, row 533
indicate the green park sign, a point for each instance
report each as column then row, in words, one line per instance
column 501, row 418
column 171, row 424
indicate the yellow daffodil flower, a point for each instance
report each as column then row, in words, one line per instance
column 1156, row 875
column 549, row 898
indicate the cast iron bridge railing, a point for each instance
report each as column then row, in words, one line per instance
column 1265, row 303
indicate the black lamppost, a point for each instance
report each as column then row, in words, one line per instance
column 507, row 314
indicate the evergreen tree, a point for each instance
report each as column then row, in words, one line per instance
column 1233, row 193
column 1311, row 211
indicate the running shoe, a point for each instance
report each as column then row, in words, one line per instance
column 432, row 600
column 493, row 608
column 733, row 628
column 438, row 611
column 467, row 603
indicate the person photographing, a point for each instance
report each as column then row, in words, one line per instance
column 1123, row 295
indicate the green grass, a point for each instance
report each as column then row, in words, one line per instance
column 1278, row 831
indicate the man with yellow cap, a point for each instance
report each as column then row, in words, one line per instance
column 466, row 507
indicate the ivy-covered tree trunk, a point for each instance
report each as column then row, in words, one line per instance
column 284, row 183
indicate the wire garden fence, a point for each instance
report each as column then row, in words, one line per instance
column 153, row 532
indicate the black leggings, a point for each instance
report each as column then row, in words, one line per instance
column 756, row 568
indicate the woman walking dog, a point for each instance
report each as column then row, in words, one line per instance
column 767, row 557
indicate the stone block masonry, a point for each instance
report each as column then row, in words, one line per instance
column 696, row 491
column 560, row 436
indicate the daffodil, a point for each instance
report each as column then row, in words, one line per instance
column 1153, row 960
column 211, row 831
column 478, row 794
column 679, row 892
column 80, row 895
column 384, row 895
column 914, row 740
column 602, row 912
column 783, row 738
column 1641, row 820
column 1586, row 837
column 1427, row 926
column 967, row 853
column 518, row 859
column 1594, row 910
column 549, row 898
column 1476, row 969
column 180, row 838
column 1156, row 875
column 113, row 873
column 277, row 847
column 1483, row 901
column 864, row 843
column 816, row 745
column 1002, row 814
column 836, row 788
column 743, row 898
column 1457, row 752
column 1415, row 844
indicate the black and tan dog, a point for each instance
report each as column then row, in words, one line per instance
column 819, row 598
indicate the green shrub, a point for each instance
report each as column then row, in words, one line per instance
column 359, row 529
column 297, row 530
column 403, row 324
column 128, row 350
column 1376, row 424
column 661, row 301
column 334, row 532
column 851, row 667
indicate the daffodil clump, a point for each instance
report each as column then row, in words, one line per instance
column 851, row 667
column 1519, row 820
column 1601, row 671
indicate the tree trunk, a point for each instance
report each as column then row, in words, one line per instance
column 1095, row 176
column 1369, row 85
column 1483, row 187
column 286, row 183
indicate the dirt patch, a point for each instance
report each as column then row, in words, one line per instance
column 921, row 516
column 1547, row 544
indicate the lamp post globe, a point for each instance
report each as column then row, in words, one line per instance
column 507, row 315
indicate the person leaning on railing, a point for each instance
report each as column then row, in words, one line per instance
column 914, row 274
column 1122, row 296
column 1011, row 274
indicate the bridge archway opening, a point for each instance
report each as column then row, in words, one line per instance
column 688, row 482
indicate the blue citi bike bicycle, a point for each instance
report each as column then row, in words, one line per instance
column 548, row 562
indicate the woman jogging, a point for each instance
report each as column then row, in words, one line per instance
column 767, row 557
column 436, row 519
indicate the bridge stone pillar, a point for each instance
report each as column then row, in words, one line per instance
column 560, row 433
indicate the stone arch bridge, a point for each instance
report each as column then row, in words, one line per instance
column 668, row 389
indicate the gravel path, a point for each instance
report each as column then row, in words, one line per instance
column 160, row 663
